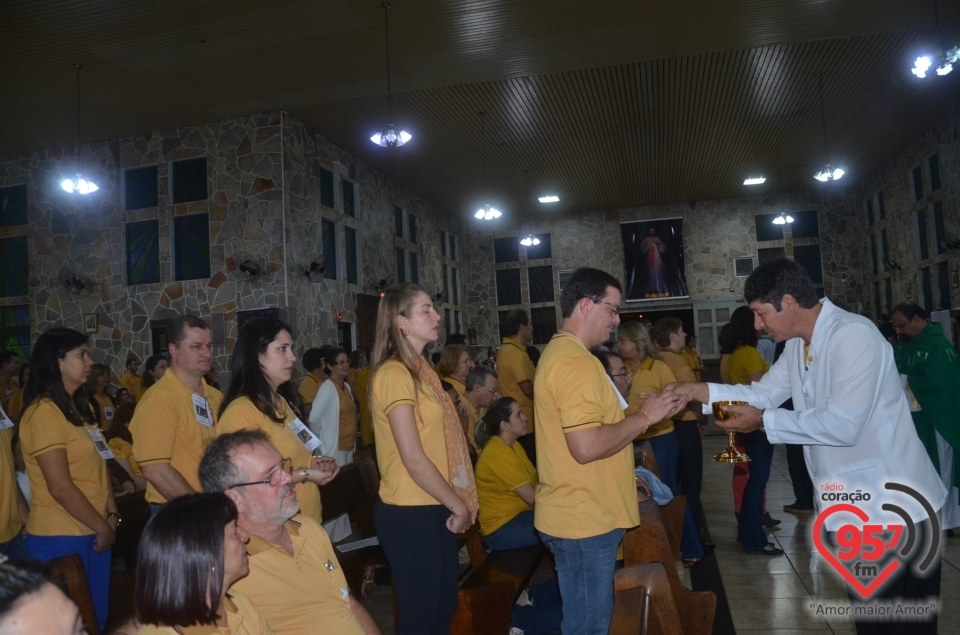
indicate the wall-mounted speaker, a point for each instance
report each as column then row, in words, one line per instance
column 743, row 267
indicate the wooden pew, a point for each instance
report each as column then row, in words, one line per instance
column 644, row 602
column 70, row 575
column 353, row 492
column 674, row 511
column 648, row 543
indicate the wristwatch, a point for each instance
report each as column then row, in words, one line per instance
column 306, row 475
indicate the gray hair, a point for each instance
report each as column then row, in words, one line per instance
column 217, row 471
column 478, row 376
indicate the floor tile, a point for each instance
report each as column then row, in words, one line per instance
column 776, row 585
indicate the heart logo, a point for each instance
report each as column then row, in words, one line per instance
column 864, row 591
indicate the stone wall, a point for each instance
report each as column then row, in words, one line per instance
column 263, row 201
column 715, row 233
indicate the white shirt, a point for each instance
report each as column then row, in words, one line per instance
column 324, row 418
column 850, row 414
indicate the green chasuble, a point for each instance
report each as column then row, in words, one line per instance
column 932, row 367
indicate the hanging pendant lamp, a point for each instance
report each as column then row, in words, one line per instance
column 390, row 136
column 941, row 61
column 827, row 172
column 78, row 184
column 487, row 212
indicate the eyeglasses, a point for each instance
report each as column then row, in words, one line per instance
column 621, row 375
column 286, row 465
column 493, row 391
column 615, row 307
column 899, row 327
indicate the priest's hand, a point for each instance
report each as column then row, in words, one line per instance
column 747, row 419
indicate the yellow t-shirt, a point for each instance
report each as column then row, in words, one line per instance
column 651, row 377
column 745, row 361
column 242, row 414
column 572, row 392
column 692, row 356
column 458, row 385
column 7, row 388
column 366, row 419
column 683, row 372
column 123, row 450
column 348, row 419
column 302, row 594
column 725, row 368
column 475, row 415
column 352, row 375
column 309, row 386
column 243, row 618
column 44, row 428
column 9, row 493
column 165, row 429
column 513, row 368
column 392, row 386
column 501, row 469
column 131, row 382
column 14, row 405
column 106, row 410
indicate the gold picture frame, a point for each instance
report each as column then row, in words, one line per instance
column 91, row 322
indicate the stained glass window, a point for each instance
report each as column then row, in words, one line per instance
column 140, row 189
column 349, row 206
column 191, row 247
column 544, row 321
column 541, row 283
column 13, row 255
column 189, row 180
column 328, row 232
column 508, row 286
column 143, row 252
column 13, row 205
column 350, row 243
column 15, row 330
column 506, row 249
column 326, row 188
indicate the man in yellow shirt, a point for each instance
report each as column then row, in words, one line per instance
column 692, row 355
column 9, row 369
column 131, row 380
column 175, row 419
column 295, row 580
column 314, row 365
column 515, row 371
column 481, row 389
column 587, row 495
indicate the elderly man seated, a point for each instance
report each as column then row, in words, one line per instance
column 295, row 580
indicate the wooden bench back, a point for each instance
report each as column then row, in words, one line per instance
column 634, row 613
column 643, row 455
column 70, row 575
column 357, row 484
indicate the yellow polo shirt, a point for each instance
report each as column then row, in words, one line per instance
column 682, row 372
column 458, row 385
column 651, row 377
column 131, row 382
column 366, row 419
column 501, row 469
column 475, row 416
column 14, row 405
column 692, row 356
column 348, row 418
column 242, row 414
column 9, row 511
column 572, row 392
column 243, row 618
column 165, row 429
column 302, row 594
column 745, row 361
column 44, row 428
column 106, row 410
column 392, row 386
column 309, row 386
column 513, row 368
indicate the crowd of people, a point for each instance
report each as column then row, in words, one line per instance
column 235, row 541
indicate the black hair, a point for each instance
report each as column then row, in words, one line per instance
column 887, row 331
column 180, row 561
column 515, row 320
column 118, row 427
column 312, row 359
column 604, row 357
column 46, row 380
column 435, row 357
column 724, row 340
column 586, row 283
column 497, row 412
column 771, row 281
column 910, row 310
column 217, row 472
column 130, row 360
column 23, row 371
column 742, row 332
column 458, row 339
column 20, row 579
column 247, row 378
column 148, row 367
column 177, row 328
column 8, row 356
column 330, row 357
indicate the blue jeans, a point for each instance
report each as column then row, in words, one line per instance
column 544, row 613
column 751, row 534
column 16, row 547
column 690, row 465
column 517, row 533
column 666, row 449
column 98, row 565
column 585, row 569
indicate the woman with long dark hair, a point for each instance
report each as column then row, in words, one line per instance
column 97, row 386
column 153, row 370
column 72, row 510
column 261, row 367
column 190, row 554
column 427, row 490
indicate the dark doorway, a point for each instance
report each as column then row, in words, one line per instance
column 345, row 336
column 684, row 315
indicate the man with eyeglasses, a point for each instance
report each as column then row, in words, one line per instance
column 587, row 497
column 295, row 579
column 930, row 368
column 481, row 389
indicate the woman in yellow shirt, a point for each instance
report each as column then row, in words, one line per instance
column 506, row 479
column 15, row 403
column 153, row 370
column 72, row 510
column 261, row 366
column 746, row 367
column 120, row 442
column 190, row 554
column 454, row 365
column 427, row 490
column 97, row 389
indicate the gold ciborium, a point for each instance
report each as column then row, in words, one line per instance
column 731, row 454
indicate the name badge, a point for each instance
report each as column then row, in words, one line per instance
column 100, row 444
column 108, row 413
column 5, row 421
column 201, row 410
column 306, row 436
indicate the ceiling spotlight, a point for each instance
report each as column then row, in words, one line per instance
column 782, row 219
column 487, row 213
column 549, row 199
column 942, row 62
column 530, row 240
column 390, row 136
column 79, row 184
column 921, row 66
column 826, row 173
column 755, row 181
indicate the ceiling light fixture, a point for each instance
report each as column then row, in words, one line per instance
column 549, row 199
column 78, row 184
column 782, row 219
column 486, row 212
column 755, row 180
column 530, row 240
column 826, row 173
column 943, row 62
column 390, row 136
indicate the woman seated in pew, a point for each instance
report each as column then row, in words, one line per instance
column 190, row 554
column 30, row 603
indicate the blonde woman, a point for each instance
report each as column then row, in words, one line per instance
column 427, row 490
column 455, row 362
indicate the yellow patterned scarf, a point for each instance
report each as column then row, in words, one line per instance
column 459, row 467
